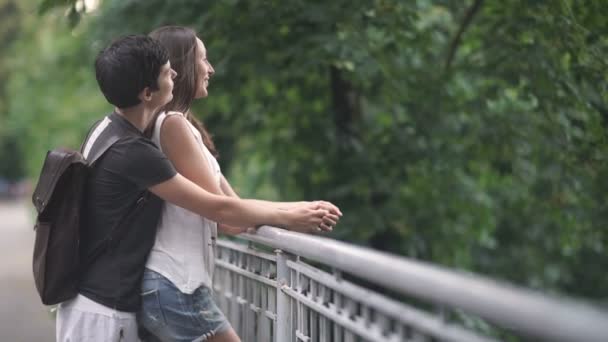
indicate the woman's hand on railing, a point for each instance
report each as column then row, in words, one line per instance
column 311, row 217
column 305, row 218
column 333, row 215
column 329, row 207
column 231, row 230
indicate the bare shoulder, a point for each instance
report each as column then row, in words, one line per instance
column 174, row 124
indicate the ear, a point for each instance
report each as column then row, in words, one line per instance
column 145, row 95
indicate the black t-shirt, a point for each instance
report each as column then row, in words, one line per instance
column 116, row 191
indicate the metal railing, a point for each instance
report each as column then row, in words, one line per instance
column 270, row 291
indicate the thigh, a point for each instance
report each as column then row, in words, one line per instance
column 77, row 325
column 226, row 336
column 208, row 314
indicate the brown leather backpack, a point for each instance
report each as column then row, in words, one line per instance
column 58, row 198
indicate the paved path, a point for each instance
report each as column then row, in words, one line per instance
column 22, row 316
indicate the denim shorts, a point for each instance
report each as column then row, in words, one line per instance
column 167, row 314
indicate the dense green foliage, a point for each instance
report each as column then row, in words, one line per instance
column 11, row 165
column 472, row 133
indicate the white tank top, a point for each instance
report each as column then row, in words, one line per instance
column 184, row 250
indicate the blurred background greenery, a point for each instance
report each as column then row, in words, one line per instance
column 467, row 133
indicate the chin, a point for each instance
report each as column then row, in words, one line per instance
column 201, row 95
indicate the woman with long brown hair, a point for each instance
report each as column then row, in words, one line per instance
column 177, row 301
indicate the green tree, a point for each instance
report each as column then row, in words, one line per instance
column 11, row 157
column 472, row 134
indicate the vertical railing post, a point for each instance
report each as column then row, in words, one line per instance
column 282, row 326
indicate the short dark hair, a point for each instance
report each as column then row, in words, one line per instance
column 127, row 66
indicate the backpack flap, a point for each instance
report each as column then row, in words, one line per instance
column 55, row 164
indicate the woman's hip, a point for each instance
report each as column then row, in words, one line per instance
column 172, row 315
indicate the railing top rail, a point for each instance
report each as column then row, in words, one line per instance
column 527, row 312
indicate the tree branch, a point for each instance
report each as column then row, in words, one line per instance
column 466, row 21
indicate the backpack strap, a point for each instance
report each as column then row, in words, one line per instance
column 81, row 149
column 115, row 133
column 106, row 146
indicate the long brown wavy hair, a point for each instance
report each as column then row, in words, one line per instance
column 180, row 42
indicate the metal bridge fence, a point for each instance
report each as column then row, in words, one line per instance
column 269, row 288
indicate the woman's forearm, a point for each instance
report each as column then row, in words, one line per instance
column 230, row 230
column 248, row 213
column 279, row 205
column 219, row 208
column 229, row 191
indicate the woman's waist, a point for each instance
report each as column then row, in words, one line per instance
column 183, row 263
column 185, row 276
column 176, row 216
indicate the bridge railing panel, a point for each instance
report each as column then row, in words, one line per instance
column 282, row 286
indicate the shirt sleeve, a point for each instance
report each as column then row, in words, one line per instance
column 142, row 163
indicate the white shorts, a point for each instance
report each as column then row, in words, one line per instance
column 83, row 320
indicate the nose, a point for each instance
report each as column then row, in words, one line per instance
column 173, row 74
column 211, row 70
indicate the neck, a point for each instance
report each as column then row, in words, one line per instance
column 138, row 115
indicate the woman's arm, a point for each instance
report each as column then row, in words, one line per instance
column 229, row 191
column 222, row 227
column 182, row 149
column 227, row 188
column 233, row 211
